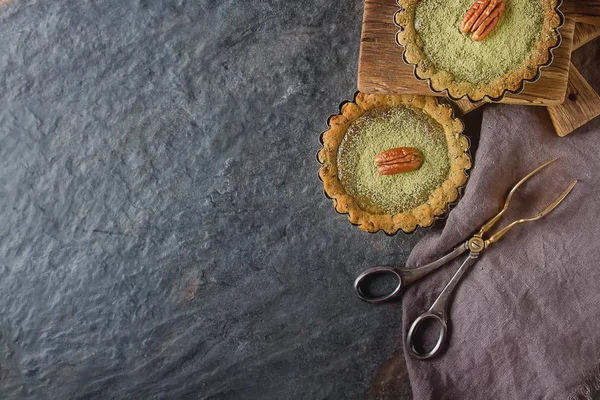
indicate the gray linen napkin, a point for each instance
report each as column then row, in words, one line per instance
column 525, row 320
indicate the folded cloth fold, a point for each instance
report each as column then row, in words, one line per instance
column 525, row 321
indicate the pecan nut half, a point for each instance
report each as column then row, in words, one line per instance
column 482, row 18
column 399, row 159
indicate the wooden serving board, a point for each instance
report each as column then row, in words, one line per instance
column 582, row 103
column 382, row 70
column 582, row 11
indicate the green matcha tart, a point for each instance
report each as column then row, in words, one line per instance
column 515, row 50
column 373, row 124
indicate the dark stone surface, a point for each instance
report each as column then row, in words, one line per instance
column 163, row 232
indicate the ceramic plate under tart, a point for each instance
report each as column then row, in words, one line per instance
column 372, row 124
column 513, row 53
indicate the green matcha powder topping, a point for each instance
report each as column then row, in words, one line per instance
column 377, row 131
column 507, row 48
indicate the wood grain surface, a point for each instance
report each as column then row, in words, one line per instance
column 584, row 33
column 464, row 106
column 583, row 11
column 574, row 111
column 381, row 69
column 581, row 105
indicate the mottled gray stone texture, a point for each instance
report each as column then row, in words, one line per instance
column 163, row 232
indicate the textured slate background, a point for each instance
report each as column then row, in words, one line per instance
column 163, row 233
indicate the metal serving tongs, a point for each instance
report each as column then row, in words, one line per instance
column 438, row 312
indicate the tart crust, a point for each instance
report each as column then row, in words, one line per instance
column 512, row 81
column 439, row 200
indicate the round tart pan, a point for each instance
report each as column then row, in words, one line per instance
column 439, row 202
column 408, row 38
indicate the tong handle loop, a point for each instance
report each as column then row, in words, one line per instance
column 403, row 276
column 415, row 330
column 439, row 313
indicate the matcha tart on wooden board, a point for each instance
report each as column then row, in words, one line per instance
column 393, row 162
column 478, row 48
